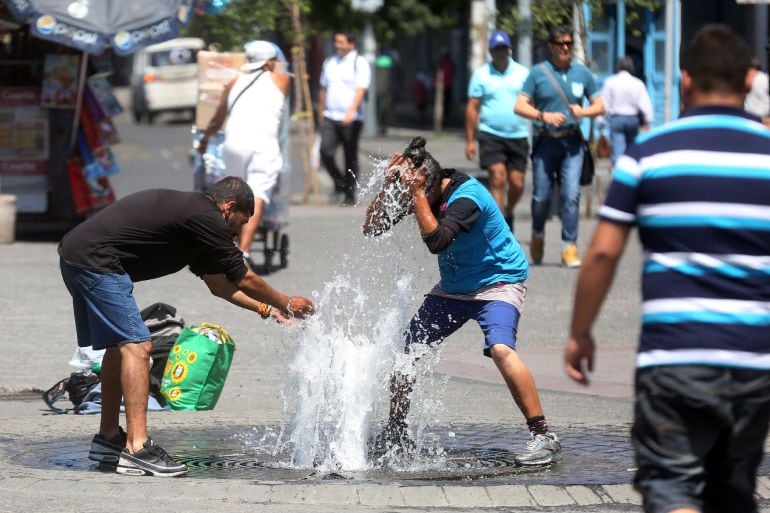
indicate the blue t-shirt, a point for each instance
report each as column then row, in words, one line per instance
column 577, row 83
column 486, row 254
column 698, row 189
column 498, row 92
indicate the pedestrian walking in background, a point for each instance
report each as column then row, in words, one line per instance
column 147, row 235
column 447, row 67
column 627, row 107
column 345, row 79
column 553, row 96
column 253, row 105
column 482, row 270
column 758, row 99
column 503, row 144
column 698, row 190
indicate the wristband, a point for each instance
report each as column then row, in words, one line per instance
column 540, row 116
column 264, row 310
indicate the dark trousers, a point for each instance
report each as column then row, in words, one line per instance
column 332, row 134
column 699, row 434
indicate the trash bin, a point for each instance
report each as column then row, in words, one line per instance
column 7, row 218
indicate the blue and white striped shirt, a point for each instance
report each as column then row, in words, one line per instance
column 698, row 189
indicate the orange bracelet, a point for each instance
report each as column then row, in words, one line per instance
column 264, row 310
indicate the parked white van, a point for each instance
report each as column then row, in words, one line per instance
column 165, row 78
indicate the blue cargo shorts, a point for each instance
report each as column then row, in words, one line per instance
column 105, row 311
column 439, row 317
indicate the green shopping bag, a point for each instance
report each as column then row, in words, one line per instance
column 197, row 367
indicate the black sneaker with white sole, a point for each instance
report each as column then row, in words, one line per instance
column 151, row 460
column 107, row 451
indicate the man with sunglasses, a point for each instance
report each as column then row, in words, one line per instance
column 553, row 97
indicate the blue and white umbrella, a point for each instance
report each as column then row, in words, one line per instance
column 90, row 25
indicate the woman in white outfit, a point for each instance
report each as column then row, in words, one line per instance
column 253, row 105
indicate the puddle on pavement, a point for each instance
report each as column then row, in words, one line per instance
column 468, row 453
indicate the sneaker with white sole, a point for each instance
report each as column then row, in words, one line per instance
column 107, row 451
column 150, row 460
column 569, row 257
column 541, row 450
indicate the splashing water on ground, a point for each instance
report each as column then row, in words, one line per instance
column 346, row 353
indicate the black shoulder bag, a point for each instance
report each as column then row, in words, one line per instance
column 587, row 172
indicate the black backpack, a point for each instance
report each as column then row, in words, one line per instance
column 164, row 325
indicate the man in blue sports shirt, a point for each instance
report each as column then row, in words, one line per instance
column 503, row 144
column 557, row 144
column 698, row 189
column 482, row 270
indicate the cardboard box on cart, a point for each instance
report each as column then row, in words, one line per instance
column 215, row 71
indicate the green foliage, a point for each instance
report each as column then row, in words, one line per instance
column 399, row 18
column 241, row 21
column 547, row 13
column 244, row 20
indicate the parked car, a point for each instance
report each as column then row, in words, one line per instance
column 165, row 78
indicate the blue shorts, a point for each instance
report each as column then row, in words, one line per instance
column 105, row 311
column 439, row 317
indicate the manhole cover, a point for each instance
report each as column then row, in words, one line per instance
column 470, row 452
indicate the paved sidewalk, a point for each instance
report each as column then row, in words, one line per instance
column 44, row 456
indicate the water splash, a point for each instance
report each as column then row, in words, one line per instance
column 346, row 353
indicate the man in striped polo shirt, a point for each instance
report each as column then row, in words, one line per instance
column 698, row 189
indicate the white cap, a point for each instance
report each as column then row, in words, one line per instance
column 257, row 54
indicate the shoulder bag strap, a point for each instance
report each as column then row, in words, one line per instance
column 556, row 84
column 243, row 91
column 559, row 89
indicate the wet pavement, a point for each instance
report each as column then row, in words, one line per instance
column 44, row 456
column 460, row 453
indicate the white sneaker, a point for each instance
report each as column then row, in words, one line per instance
column 541, row 450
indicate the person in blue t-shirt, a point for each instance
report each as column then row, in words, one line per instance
column 698, row 191
column 553, row 96
column 482, row 269
column 502, row 135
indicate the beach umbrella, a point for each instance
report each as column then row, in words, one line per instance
column 91, row 25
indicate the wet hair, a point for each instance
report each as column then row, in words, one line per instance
column 717, row 59
column 416, row 152
column 232, row 188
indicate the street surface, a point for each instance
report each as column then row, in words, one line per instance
column 326, row 241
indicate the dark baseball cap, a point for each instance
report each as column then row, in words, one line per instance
column 499, row 38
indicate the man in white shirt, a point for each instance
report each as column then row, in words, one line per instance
column 627, row 105
column 345, row 79
column 758, row 98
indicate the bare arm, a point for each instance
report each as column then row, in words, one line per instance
column 255, row 288
column 282, row 81
column 594, row 281
column 350, row 115
column 415, row 179
column 219, row 286
column 217, row 120
column 526, row 109
column 595, row 108
column 471, row 123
